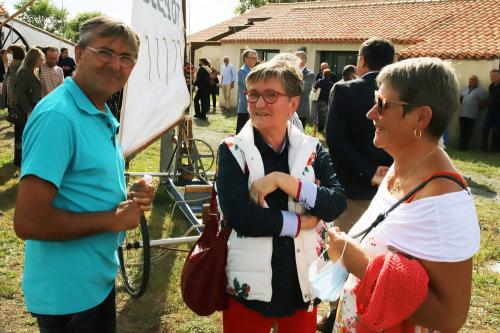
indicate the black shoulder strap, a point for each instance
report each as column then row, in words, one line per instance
column 382, row 216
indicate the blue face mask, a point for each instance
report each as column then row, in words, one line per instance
column 327, row 278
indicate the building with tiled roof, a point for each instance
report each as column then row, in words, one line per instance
column 467, row 32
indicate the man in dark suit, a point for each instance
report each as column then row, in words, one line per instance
column 349, row 134
column 202, row 82
column 304, row 110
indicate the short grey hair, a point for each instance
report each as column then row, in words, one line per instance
column 425, row 81
column 287, row 56
column 106, row 27
column 302, row 55
column 288, row 74
column 51, row 49
column 247, row 53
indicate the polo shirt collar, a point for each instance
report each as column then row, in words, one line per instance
column 84, row 103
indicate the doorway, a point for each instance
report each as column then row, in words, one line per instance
column 337, row 60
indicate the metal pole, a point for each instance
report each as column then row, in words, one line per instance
column 173, row 241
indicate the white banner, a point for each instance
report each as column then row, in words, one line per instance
column 156, row 94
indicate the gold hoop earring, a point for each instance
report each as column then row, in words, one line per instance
column 417, row 133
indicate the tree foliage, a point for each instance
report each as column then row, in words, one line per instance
column 251, row 4
column 72, row 30
column 47, row 16
column 44, row 15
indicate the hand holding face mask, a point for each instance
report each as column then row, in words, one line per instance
column 327, row 278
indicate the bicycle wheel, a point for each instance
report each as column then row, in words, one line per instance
column 134, row 256
column 195, row 158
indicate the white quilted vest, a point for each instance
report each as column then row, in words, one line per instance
column 248, row 267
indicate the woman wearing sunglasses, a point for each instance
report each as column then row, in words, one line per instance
column 276, row 185
column 436, row 226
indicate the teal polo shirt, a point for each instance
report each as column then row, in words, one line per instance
column 71, row 144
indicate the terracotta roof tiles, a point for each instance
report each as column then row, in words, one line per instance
column 451, row 29
column 267, row 12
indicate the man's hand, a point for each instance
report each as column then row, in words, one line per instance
column 232, row 85
column 308, row 222
column 142, row 193
column 379, row 175
column 37, row 218
column 128, row 215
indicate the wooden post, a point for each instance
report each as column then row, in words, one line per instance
column 19, row 11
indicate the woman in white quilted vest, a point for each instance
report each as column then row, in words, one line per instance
column 435, row 226
column 276, row 187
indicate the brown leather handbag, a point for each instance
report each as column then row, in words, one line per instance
column 203, row 277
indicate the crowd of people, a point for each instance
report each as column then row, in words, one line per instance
column 28, row 77
column 473, row 100
column 207, row 85
column 383, row 208
column 315, row 111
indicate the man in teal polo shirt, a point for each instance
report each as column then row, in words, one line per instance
column 72, row 206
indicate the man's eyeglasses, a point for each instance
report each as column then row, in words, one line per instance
column 382, row 103
column 269, row 96
column 104, row 55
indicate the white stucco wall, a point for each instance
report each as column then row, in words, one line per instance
column 35, row 36
column 212, row 53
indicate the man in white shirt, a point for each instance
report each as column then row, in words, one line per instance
column 227, row 82
column 51, row 75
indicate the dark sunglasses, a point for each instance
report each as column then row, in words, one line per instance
column 269, row 96
column 382, row 103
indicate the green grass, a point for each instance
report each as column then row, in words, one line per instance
column 161, row 309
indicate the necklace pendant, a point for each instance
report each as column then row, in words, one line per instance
column 395, row 188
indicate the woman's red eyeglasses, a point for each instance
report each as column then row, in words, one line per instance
column 269, row 96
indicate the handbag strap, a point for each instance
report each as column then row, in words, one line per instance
column 382, row 216
column 213, row 201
